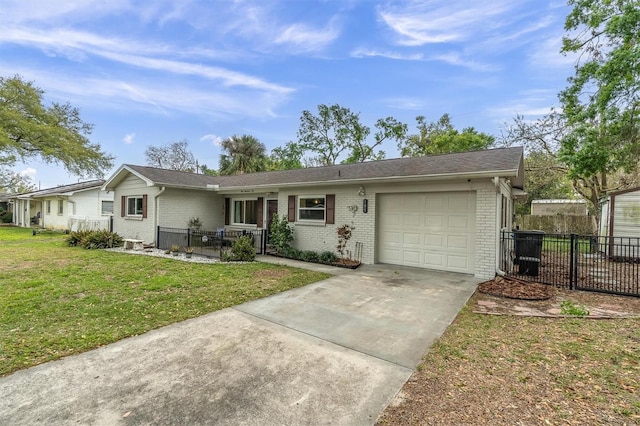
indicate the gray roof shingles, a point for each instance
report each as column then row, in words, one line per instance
column 63, row 189
column 505, row 160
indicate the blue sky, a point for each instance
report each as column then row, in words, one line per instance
column 157, row 71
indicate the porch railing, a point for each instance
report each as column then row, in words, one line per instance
column 210, row 243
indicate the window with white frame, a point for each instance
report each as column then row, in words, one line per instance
column 48, row 207
column 60, row 206
column 245, row 212
column 311, row 208
column 107, row 207
column 134, row 206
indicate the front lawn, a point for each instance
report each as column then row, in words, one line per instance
column 56, row 300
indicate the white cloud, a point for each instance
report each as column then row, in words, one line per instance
column 29, row 172
column 215, row 140
column 128, row 138
column 78, row 45
column 417, row 24
column 454, row 58
column 304, row 38
column 370, row 53
column 546, row 54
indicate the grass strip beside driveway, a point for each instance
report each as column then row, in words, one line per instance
column 56, row 300
column 514, row 370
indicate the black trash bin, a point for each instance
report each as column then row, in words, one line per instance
column 528, row 251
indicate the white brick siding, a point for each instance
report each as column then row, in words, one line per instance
column 129, row 227
column 177, row 206
column 174, row 208
column 320, row 237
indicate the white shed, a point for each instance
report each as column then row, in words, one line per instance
column 620, row 219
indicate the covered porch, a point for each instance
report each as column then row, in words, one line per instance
column 210, row 243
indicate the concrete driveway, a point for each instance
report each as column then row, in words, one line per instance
column 334, row 352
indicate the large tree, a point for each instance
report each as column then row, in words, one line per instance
column 601, row 104
column 441, row 137
column 547, row 172
column 14, row 183
column 174, row 156
column 336, row 130
column 55, row 133
column 242, row 154
column 286, row 157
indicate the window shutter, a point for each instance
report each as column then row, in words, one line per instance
column 260, row 221
column 123, row 206
column 292, row 209
column 144, row 206
column 227, row 211
column 330, row 210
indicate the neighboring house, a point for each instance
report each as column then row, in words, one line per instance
column 440, row 212
column 82, row 205
column 559, row 207
column 620, row 218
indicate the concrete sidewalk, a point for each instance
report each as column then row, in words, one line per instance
column 334, row 352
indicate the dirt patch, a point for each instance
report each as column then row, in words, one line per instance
column 507, row 296
column 516, row 289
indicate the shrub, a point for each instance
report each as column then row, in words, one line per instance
column 291, row 252
column 327, row 257
column 77, row 238
column 94, row 239
column 309, row 256
column 242, row 250
column 194, row 223
column 344, row 235
column 281, row 234
column 6, row 217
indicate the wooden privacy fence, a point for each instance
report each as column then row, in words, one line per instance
column 558, row 224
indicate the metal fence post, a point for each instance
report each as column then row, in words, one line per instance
column 572, row 262
column 188, row 237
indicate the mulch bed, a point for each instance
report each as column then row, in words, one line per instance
column 514, row 288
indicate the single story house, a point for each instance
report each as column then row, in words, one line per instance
column 559, row 207
column 440, row 212
column 620, row 219
column 82, row 205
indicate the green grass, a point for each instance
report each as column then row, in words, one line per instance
column 57, row 300
column 563, row 245
column 524, row 370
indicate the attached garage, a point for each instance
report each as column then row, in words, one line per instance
column 428, row 230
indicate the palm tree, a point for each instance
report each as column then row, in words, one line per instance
column 243, row 154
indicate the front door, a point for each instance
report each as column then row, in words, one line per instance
column 272, row 209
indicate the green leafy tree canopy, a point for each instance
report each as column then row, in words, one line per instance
column 336, row 130
column 440, row 137
column 55, row 134
column 602, row 100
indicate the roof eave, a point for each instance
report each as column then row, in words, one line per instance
column 117, row 177
column 415, row 178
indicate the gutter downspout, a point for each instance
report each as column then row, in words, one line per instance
column 496, row 182
column 73, row 212
column 156, row 204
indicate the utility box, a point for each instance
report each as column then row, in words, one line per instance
column 528, row 251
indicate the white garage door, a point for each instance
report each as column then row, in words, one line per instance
column 427, row 230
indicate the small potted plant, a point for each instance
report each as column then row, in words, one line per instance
column 175, row 249
column 188, row 251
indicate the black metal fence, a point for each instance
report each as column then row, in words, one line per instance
column 577, row 262
column 207, row 243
